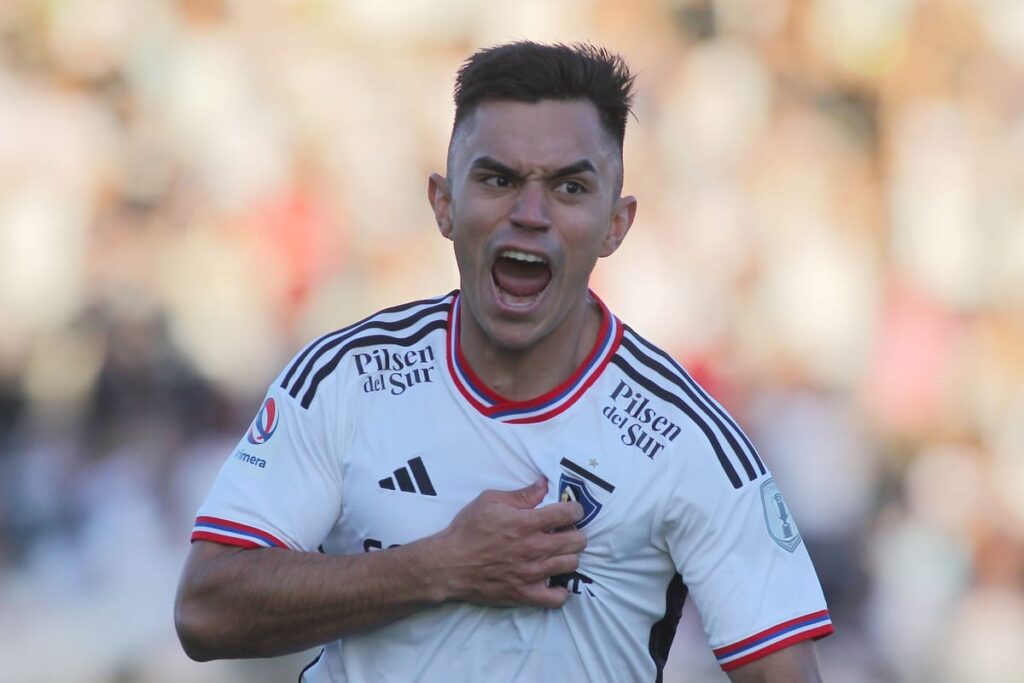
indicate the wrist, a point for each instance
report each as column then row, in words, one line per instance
column 424, row 563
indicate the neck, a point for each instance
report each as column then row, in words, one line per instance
column 523, row 374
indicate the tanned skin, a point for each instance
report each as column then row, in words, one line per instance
column 499, row 550
column 544, row 178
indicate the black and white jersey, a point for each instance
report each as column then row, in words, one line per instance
column 378, row 434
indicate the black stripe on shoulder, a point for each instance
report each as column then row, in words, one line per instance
column 372, row 324
column 394, row 309
column 703, row 402
column 360, row 342
column 669, row 397
column 707, row 399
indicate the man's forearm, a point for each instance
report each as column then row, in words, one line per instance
column 498, row 550
column 265, row 602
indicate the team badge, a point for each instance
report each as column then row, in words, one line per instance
column 265, row 424
column 574, row 485
column 573, row 489
column 781, row 526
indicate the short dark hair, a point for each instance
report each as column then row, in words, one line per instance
column 529, row 72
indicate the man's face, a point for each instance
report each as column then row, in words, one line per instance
column 531, row 202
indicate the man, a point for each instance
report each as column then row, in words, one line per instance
column 504, row 483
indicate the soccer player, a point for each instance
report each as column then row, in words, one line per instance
column 503, row 483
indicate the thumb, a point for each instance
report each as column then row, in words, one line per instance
column 525, row 498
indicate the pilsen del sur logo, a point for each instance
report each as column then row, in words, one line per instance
column 265, row 424
column 395, row 371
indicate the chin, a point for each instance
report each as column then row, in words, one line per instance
column 512, row 336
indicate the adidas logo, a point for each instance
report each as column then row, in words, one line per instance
column 405, row 482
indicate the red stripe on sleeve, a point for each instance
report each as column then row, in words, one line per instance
column 815, row 633
column 224, row 540
column 726, row 650
column 243, row 528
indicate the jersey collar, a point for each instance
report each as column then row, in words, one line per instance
column 546, row 406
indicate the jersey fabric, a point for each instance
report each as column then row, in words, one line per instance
column 378, row 434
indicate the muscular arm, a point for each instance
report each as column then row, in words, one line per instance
column 795, row 664
column 267, row 601
column 262, row 602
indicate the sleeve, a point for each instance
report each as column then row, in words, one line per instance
column 740, row 554
column 281, row 486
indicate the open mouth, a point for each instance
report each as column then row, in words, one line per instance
column 520, row 276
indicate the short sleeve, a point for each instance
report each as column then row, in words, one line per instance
column 740, row 554
column 281, row 486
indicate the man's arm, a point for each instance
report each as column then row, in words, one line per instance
column 794, row 664
column 499, row 550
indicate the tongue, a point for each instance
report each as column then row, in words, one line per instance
column 519, row 278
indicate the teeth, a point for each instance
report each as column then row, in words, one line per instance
column 521, row 256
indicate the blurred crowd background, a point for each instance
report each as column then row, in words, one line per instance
column 830, row 236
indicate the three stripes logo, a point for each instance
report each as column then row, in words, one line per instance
column 404, row 481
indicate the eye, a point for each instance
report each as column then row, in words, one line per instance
column 497, row 181
column 571, row 187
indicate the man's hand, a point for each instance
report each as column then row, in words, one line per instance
column 501, row 549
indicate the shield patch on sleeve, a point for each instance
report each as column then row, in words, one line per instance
column 781, row 526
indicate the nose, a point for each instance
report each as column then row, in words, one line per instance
column 530, row 210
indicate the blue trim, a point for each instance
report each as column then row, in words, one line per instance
column 454, row 341
column 774, row 635
column 570, row 389
column 223, row 527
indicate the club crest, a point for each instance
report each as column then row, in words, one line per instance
column 781, row 526
column 573, row 489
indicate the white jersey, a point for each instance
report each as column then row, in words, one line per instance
column 378, row 434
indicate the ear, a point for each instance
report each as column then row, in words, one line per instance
column 623, row 214
column 440, row 198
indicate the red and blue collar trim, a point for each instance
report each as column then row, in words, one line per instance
column 546, row 406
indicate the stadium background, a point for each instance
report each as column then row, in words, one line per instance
column 830, row 235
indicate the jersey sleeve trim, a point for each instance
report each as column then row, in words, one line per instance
column 815, row 625
column 232, row 533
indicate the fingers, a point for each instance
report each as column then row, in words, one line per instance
column 542, row 595
column 557, row 515
column 522, row 499
column 547, row 518
column 506, row 549
column 570, row 541
column 540, row 589
column 562, row 564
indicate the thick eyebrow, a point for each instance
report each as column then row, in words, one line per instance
column 490, row 164
column 581, row 166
